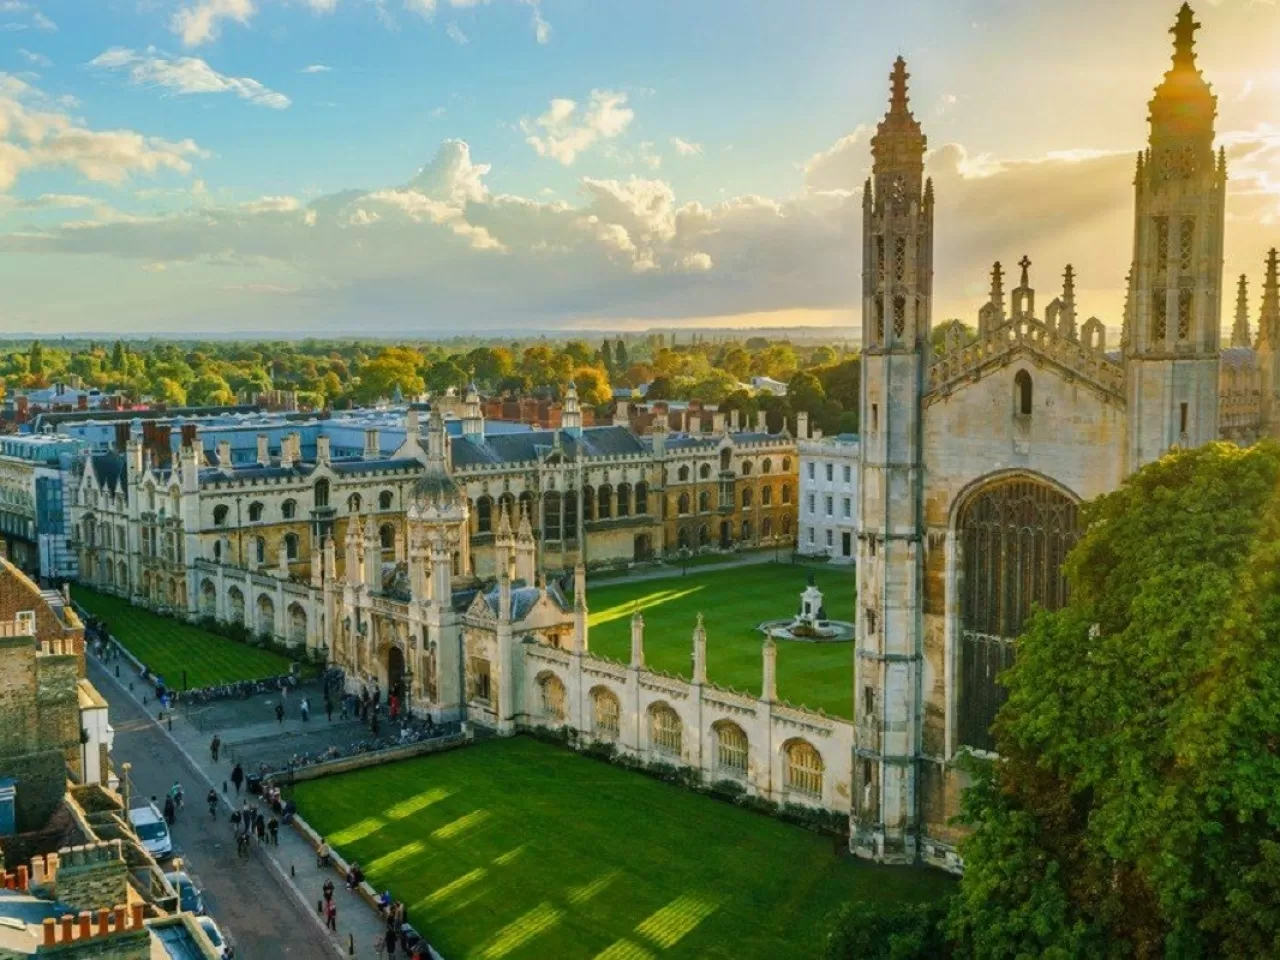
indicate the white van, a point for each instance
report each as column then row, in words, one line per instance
column 149, row 825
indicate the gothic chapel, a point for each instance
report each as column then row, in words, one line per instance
column 976, row 457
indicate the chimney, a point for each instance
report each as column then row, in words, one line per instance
column 122, row 436
column 224, row 454
column 189, row 434
column 802, row 425
column 163, row 450
column 264, row 450
column 762, row 423
column 371, row 449
column 289, row 449
column 322, row 449
column 82, row 402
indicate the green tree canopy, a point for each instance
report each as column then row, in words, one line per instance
column 393, row 367
column 1135, row 810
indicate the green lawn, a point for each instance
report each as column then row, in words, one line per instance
column 733, row 603
column 520, row 850
column 169, row 646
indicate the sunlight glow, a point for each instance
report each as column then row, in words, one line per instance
column 454, row 887
column 357, row 831
column 521, row 930
column 388, row 860
column 578, row 895
column 657, row 598
column 624, row 950
column 675, row 921
column 407, row 808
column 462, row 824
column 509, row 856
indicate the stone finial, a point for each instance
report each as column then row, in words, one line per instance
column 637, row 640
column 898, row 99
column 1067, row 318
column 1184, row 37
column 1025, row 264
column 700, row 651
column 1240, row 329
column 769, row 686
column 1269, row 316
column 997, row 286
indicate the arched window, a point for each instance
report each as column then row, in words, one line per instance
column 604, row 502
column 219, row 517
column 725, row 456
column 387, row 536
column 665, row 731
column 1022, row 393
column 259, row 550
column 552, row 503
column 255, row 512
column 682, row 504
column 766, row 527
column 353, row 503
column 766, row 496
column 683, row 474
column 746, row 467
column 786, row 524
column 607, row 711
column 804, row 769
column 731, row 748
column 682, row 539
column 746, row 529
column 786, row 493
column 642, row 498
column 484, row 514
column 786, row 464
column 217, row 551
column 746, row 497
column 704, row 501
column 704, row 471
column 570, row 503
column 551, row 694
column 385, row 499
column 704, row 536
column 624, row 499
column 321, row 493
column 235, row 605
column 289, row 509
column 1013, row 535
column 291, row 546
column 766, row 466
column 588, row 503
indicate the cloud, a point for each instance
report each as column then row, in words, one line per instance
column 186, row 75
column 201, row 22
column 541, row 29
column 454, row 33
column 41, row 22
column 34, row 135
column 316, row 68
column 565, row 131
column 36, row 59
column 686, row 148
column 841, row 165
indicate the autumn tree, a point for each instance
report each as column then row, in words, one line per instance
column 392, row 368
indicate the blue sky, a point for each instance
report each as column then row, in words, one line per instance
column 251, row 163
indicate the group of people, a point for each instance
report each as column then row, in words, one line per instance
column 172, row 803
column 248, row 822
column 397, row 934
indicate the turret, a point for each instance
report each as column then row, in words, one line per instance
column 372, row 554
column 581, row 643
column 472, row 416
column 769, row 680
column 637, row 640
column 571, row 416
column 526, row 549
column 1240, row 336
column 699, row 651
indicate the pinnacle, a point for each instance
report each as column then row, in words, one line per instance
column 1184, row 36
column 898, row 98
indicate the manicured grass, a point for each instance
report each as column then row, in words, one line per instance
column 521, row 850
column 733, row 604
column 169, row 646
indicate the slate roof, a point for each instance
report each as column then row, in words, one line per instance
column 684, row 441
column 111, row 469
column 520, row 447
column 523, row 599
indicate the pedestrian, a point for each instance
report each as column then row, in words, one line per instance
column 237, row 777
column 260, row 828
column 212, row 799
column 331, row 914
column 393, row 706
column 214, row 746
column 284, row 691
column 305, row 709
column 328, row 889
column 328, row 707
column 389, row 940
column 274, row 826
column 280, row 713
column 170, row 814
column 346, row 713
column 373, row 725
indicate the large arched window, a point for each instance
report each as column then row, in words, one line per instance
column 746, row 497
column 1013, row 535
column 353, row 503
column 219, row 518
column 321, row 493
column 704, row 501
column 731, row 748
column 552, row 512
column 683, row 474
column 665, row 731
column 704, row 472
column 588, row 503
column 385, row 499
column 289, row 509
column 607, row 711
column 255, row 512
column 642, row 498
column 682, row 504
column 291, row 546
column 1022, row 393
column 786, row 493
column 725, row 460
column 259, row 550
column 624, row 499
column 484, row 514
column 766, row 496
column 804, row 769
column 766, row 466
column 551, row 695
column 604, row 502
column 387, row 536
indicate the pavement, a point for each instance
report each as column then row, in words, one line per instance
column 266, row 905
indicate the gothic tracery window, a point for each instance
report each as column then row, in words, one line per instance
column 1186, row 243
column 1162, row 243
column 1014, row 535
column 665, row 730
column 879, row 279
column 1159, row 315
column 731, row 748
column 900, row 259
column 1185, row 307
column 608, row 714
column 899, row 316
column 804, row 769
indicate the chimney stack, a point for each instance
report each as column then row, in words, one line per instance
column 264, row 450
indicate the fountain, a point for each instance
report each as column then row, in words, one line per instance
column 810, row 624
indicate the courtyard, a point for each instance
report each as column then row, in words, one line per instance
column 733, row 603
column 169, row 646
column 520, row 849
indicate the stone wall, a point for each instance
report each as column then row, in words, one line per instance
column 91, row 876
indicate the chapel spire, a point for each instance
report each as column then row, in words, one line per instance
column 1183, row 108
column 1269, row 315
column 897, row 149
column 1240, row 329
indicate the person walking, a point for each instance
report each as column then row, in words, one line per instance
column 260, row 829
column 305, row 709
column 280, row 713
column 273, row 825
column 214, row 746
column 212, row 799
column 389, row 940
column 170, row 814
column 328, row 706
column 331, row 914
column 237, row 777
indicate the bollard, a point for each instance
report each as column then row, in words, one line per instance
column 170, row 719
column 351, row 945
column 117, row 671
column 292, row 872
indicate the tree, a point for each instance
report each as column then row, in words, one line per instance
column 938, row 335
column 117, row 356
column 620, row 360
column 714, row 387
column 1133, row 811
column 889, row 930
column 777, row 361
column 209, row 389
column 35, row 359
column 169, row 392
column 444, row 375
column 822, row 357
column 593, row 386
column 737, row 362
column 489, row 365
column 580, row 352
column 394, row 367
column 606, row 356
column 660, row 388
column 806, row 394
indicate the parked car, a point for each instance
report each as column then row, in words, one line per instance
column 190, row 899
column 212, row 932
column 148, row 823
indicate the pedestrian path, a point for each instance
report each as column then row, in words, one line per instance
column 359, row 923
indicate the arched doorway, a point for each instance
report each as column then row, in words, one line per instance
column 641, row 548
column 726, row 535
column 1013, row 534
column 395, row 673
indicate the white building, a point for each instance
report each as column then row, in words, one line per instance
column 829, row 497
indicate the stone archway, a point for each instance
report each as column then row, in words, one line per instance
column 726, row 535
column 395, row 672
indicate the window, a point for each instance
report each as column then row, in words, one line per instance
column 846, row 543
column 289, row 509
column 384, row 500
column 604, row 502
column 682, row 504
column 846, row 507
column 551, row 694
column 830, row 504
column 875, row 419
column 746, row 467
column 478, row 679
column 291, row 546
column 353, row 503
column 810, row 529
column 731, row 748
column 786, row 493
column 255, row 512
column 810, row 505
column 831, row 538
column 665, row 731
column 1186, row 243
column 831, row 472
column 1022, row 393
column 484, row 514
column 321, row 493
column 848, row 473
column 766, row 496
column 899, row 258
column 683, row 474
column 766, row 466
column 786, row 464
column 608, row 714
column 1182, row 419
column 387, row 536
column 219, row 519
column 899, row 317
column 868, row 700
column 813, row 468
column 746, row 497
column 786, row 524
column 1186, row 309
column 642, row 498
column 624, row 500
column 259, row 550
column 804, row 769
column 704, row 471
column 1159, row 314
column 704, row 502
column 746, row 529
column 724, row 460
column 766, row 527
column 1162, row 243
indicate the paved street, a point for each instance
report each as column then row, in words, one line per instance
column 247, row 899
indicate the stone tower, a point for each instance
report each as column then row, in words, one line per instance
column 1269, row 347
column 1175, row 287
column 897, row 281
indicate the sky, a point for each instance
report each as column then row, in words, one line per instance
column 435, row 167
